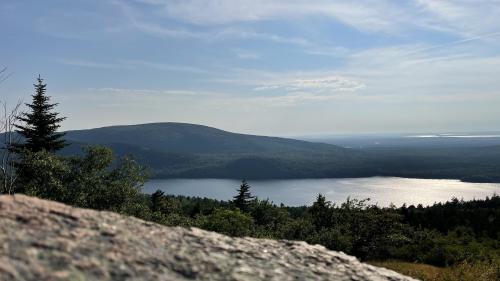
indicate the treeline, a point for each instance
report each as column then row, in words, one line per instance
column 481, row 217
column 414, row 234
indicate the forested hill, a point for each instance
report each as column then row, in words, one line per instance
column 191, row 138
column 179, row 150
column 188, row 150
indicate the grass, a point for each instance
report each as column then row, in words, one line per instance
column 484, row 271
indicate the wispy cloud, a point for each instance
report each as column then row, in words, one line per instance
column 246, row 54
column 92, row 64
column 150, row 92
column 214, row 35
column 168, row 32
column 455, row 42
column 331, row 84
column 216, row 57
column 366, row 15
column 156, row 27
column 164, row 66
column 461, row 16
column 376, row 16
column 132, row 64
column 454, row 16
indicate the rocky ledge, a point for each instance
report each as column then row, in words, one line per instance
column 44, row 240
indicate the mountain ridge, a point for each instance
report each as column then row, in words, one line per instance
column 183, row 150
column 186, row 150
column 186, row 137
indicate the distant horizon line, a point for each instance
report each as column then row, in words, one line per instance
column 408, row 134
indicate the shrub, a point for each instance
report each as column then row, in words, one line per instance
column 44, row 175
column 96, row 180
column 230, row 222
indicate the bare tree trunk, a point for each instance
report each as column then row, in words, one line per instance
column 3, row 74
column 9, row 138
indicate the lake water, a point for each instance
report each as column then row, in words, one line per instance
column 296, row 192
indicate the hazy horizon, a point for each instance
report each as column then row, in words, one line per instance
column 402, row 134
column 281, row 68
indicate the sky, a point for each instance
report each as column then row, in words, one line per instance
column 273, row 67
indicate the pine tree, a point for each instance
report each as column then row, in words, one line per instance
column 242, row 200
column 157, row 200
column 40, row 123
column 321, row 212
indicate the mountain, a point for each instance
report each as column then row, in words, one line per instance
column 188, row 150
column 178, row 150
column 194, row 139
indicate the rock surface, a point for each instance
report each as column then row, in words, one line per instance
column 44, row 240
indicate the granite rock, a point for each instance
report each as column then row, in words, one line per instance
column 45, row 240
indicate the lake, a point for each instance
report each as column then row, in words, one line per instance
column 296, row 192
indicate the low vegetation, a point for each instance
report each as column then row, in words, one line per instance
column 355, row 227
column 481, row 271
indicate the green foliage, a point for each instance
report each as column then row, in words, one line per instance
column 163, row 204
column 40, row 123
column 355, row 227
column 230, row 222
column 44, row 175
column 479, row 215
column 174, row 219
column 95, row 180
column 268, row 219
column 321, row 213
column 332, row 238
column 99, row 183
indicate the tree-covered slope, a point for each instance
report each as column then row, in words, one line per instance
column 190, row 138
column 194, row 151
column 188, row 150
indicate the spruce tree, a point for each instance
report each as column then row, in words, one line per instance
column 321, row 211
column 157, row 200
column 242, row 200
column 40, row 124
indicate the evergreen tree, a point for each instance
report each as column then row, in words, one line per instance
column 242, row 200
column 321, row 212
column 41, row 123
column 157, row 199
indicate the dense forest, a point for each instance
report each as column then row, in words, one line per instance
column 178, row 150
column 442, row 234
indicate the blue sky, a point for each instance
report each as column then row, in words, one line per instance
column 276, row 67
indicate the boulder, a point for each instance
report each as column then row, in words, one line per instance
column 45, row 240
